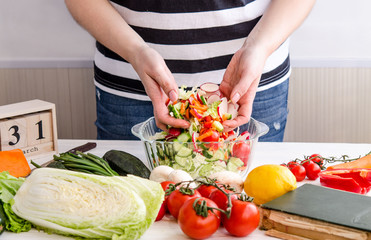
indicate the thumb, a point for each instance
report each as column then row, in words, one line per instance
column 168, row 84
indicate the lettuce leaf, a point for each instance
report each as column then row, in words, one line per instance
column 213, row 109
column 9, row 186
column 87, row 205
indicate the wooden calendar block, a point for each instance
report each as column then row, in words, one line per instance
column 13, row 133
column 39, row 128
column 35, row 150
column 30, row 126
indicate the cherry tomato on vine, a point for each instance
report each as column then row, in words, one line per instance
column 291, row 164
column 244, row 218
column 299, row 172
column 312, row 169
column 176, row 199
column 317, row 159
column 165, row 185
column 221, row 199
column 206, row 190
column 195, row 225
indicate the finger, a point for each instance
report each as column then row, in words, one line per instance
column 232, row 124
column 226, row 84
column 244, row 111
column 164, row 122
column 167, row 82
column 163, row 119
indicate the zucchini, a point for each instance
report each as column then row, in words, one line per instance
column 2, row 218
column 125, row 163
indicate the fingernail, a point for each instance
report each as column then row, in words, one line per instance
column 235, row 98
column 173, row 96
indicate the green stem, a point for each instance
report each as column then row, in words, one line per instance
column 35, row 164
column 77, row 161
column 84, row 167
column 101, row 162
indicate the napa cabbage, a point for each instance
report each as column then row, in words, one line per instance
column 87, row 205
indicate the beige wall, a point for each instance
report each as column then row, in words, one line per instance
column 72, row 90
column 325, row 104
column 330, row 105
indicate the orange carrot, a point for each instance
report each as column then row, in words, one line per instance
column 363, row 162
column 202, row 108
column 205, row 135
column 187, row 113
column 182, row 108
column 15, row 163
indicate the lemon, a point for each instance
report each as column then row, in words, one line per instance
column 268, row 182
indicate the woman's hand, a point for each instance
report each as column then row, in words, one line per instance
column 159, row 84
column 243, row 73
column 240, row 81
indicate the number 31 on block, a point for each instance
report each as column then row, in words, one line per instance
column 30, row 126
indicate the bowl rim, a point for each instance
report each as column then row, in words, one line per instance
column 137, row 130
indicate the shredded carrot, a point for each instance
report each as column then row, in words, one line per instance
column 226, row 155
column 202, row 108
column 224, row 117
column 205, row 135
column 187, row 113
column 197, row 103
column 182, row 108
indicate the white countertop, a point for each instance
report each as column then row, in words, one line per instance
column 167, row 228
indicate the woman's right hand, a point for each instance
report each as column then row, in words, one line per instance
column 159, row 84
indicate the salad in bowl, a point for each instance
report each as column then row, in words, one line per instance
column 204, row 148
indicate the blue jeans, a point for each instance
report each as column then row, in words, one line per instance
column 117, row 115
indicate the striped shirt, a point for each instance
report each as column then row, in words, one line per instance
column 196, row 38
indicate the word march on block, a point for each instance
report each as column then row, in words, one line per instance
column 30, row 126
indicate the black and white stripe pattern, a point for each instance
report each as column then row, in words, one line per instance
column 197, row 39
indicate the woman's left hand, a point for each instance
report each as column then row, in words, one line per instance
column 240, row 82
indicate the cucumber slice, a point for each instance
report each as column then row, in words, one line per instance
column 201, row 145
column 203, row 100
column 234, row 164
column 160, row 152
column 184, row 152
column 218, row 126
column 175, row 111
column 218, row 155
column 208, row 154
column 205, row 170
column 184, row 137
column 177, row 146
column 169, row 151
column 177, row 106
column 210, row 168
column 181, row 161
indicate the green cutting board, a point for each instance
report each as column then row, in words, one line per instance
column 326, row 204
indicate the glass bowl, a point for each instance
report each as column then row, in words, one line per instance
column 200, row 158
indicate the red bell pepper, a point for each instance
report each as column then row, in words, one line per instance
column 357, row 180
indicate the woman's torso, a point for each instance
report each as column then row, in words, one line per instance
column 196, row 38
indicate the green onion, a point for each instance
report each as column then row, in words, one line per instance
column 87, row 163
